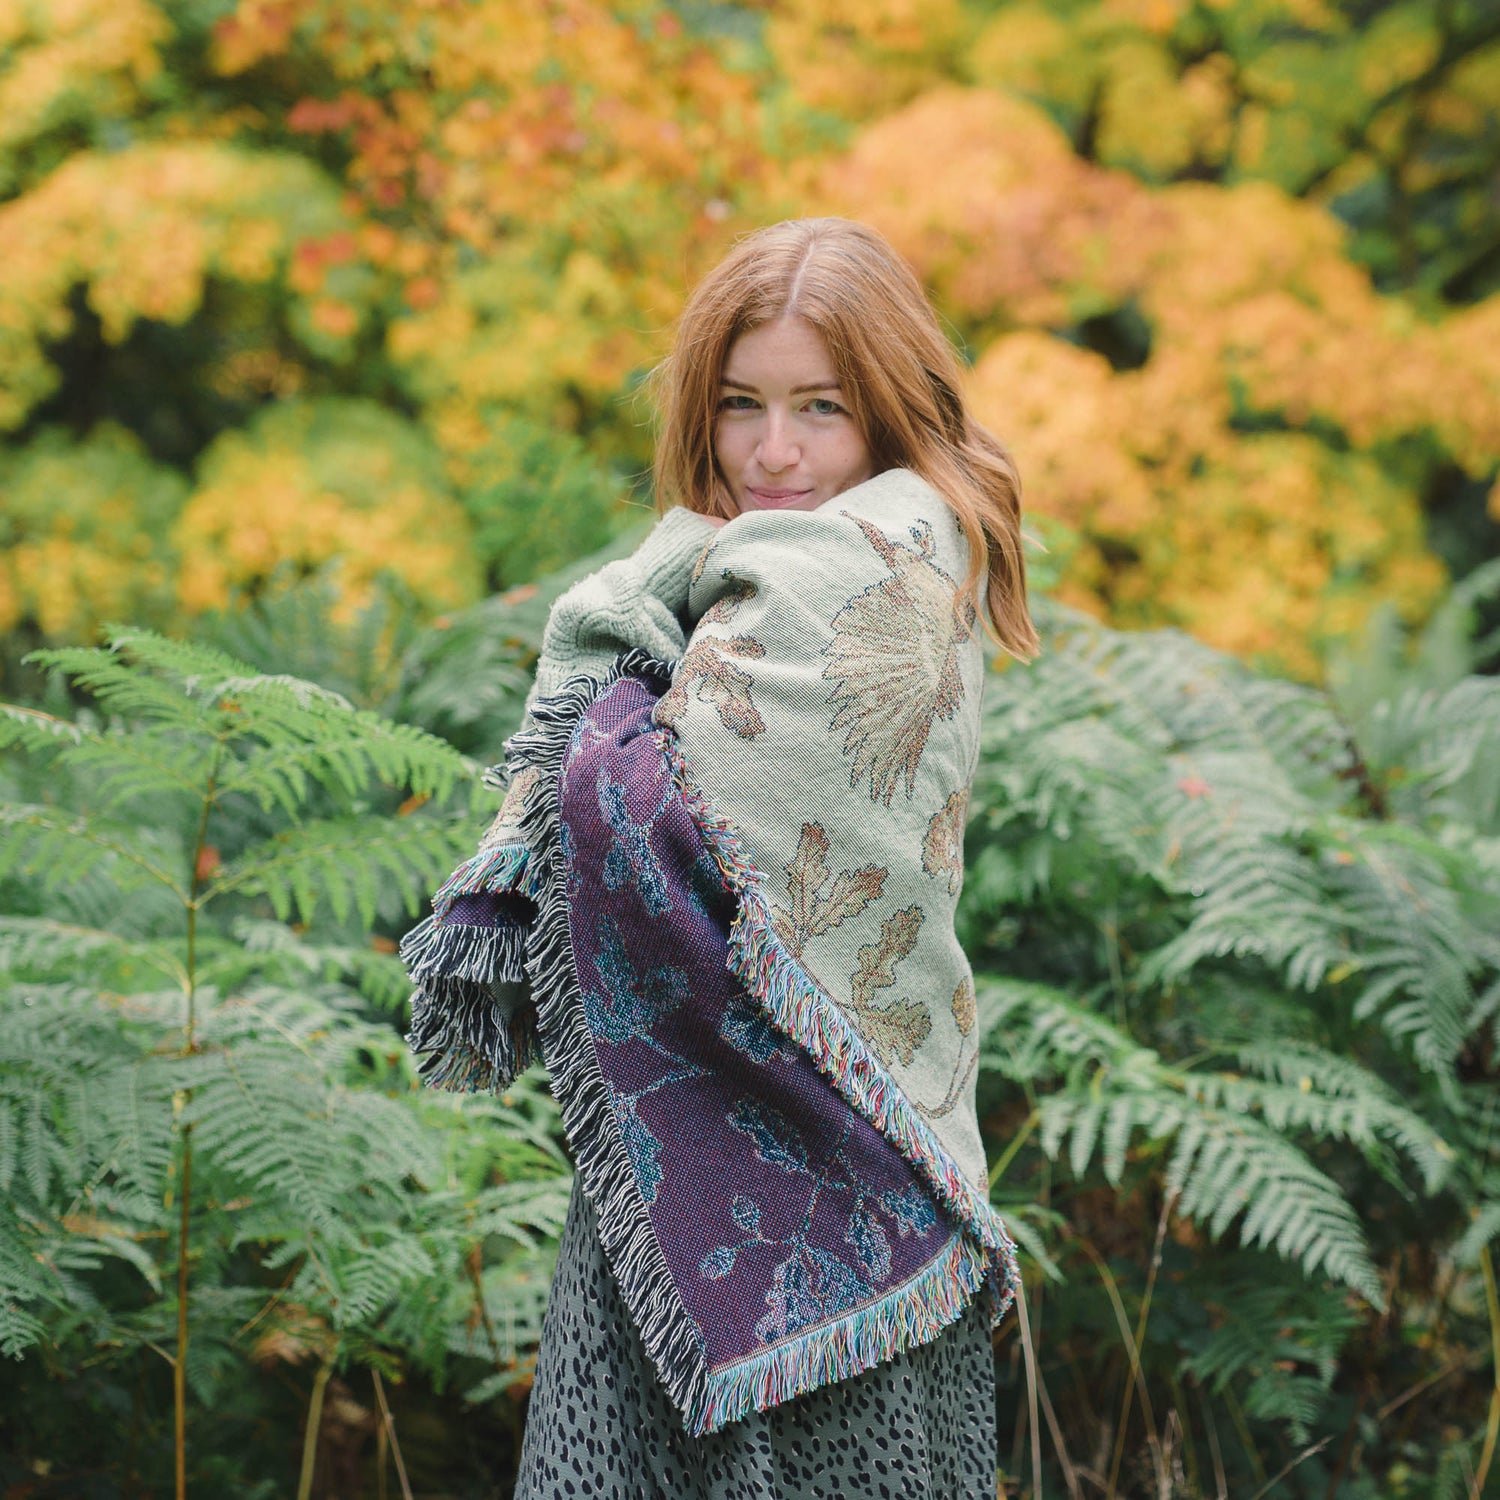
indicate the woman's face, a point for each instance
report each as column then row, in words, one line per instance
column 783, row 437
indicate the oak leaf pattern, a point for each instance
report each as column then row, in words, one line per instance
column 898, row 1028
column 709, row 669
column 727, row 604
column 943, row 848
column 893, row 662
column 818, row 901
column 965, row 1011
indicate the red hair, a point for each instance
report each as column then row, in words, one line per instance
column 899, row 373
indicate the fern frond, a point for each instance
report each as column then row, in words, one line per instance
column 345, row 863
column 276, row 954
column 1337, row 1098
column 331, row 755
column 55, row 847
column 34, row 731
column 526, row 1212
column 1418, row 951
column 1224, row 1163
column 122, row 765
column 1484, row 1227
column 131, row 693
column 307, row 730
column 376, row 1277
column 42, row 947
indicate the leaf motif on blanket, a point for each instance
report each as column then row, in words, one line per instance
column 810, row 1286
column 867, row 1235
column 777, row 1141
column 815, row 905
column 893, row 662
column 644, row 1148
column 629, row 1003
column 897, row 1029
column 943, row 848
column 747, row 1030
column 630, row 859
column 912, row 1211
column 965, row 1017
column 727, row 604
column 709, row 669
column 964, row 1011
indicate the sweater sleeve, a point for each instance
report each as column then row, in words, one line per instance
column 634, row 602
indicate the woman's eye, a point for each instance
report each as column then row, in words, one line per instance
column 736, row 403
column 821, row 406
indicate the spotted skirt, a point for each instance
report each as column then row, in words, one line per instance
column 918, row 1427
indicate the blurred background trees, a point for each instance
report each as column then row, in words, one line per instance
column 322, row 332
column 1225, row 272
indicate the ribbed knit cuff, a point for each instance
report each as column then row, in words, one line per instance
column 667, row 555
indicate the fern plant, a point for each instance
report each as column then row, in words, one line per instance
column 1239, row 946
column 214, row 1155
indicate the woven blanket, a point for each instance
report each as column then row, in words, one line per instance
column 784, row 1159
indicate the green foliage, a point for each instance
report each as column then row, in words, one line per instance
column 533, row 491
column 1239, row 989
column 177, row 1061
column 466, row 677
column 1238, row 948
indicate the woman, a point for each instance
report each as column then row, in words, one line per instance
column 719, row 900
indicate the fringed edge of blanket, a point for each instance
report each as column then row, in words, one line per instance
column 671, row 1339
column 465, row 1038
column 913, row 1315
column 504, row 867
column 465, row 1043
column 798, row 1006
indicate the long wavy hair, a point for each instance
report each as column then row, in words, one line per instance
column 900, row 374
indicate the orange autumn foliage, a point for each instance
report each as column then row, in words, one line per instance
column 1276, row 376
column 317, row 482
column 485, row 215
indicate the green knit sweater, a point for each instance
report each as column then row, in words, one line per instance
column 638, row 601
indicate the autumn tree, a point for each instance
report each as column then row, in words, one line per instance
column 442, row 242
column 1255, row 404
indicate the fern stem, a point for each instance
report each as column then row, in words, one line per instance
column 179, row 1364
column 1291, row 1464
column 474, row 1262
column 1492, row 1425
column 1140, row 1336
column 195, row 886
column 190, row 1045
column 1070, row 1474
column 1029, row 1350
column 314, row 1422
column 1136, row 1383
column 1242, row 1428
column 388, row 1430
column 1008, row 1155
column 1211, row 1428
column 1189, row 1447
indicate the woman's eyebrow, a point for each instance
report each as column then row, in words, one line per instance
column 797, row 390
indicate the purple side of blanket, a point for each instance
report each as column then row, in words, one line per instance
column 776, row 1206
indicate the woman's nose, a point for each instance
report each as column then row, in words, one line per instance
column 777, row 448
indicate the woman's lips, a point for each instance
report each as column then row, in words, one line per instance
column 778, row 497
